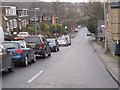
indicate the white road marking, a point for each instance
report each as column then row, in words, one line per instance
column 34, row 77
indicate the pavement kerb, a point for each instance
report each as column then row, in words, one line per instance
column 107, row 68
column 113, row 75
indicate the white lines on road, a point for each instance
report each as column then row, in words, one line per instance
column 34, row 77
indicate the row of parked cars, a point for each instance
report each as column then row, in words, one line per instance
column 25, row 51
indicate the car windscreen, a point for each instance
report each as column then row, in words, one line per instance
column 51, row 40
column 32, row 39
column 11, row 45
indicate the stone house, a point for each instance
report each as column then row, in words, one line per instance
column 113, row 26
column 9, row 18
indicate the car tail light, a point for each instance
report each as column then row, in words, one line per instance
column 11, row 53
column 18, row 51
column 41, row 45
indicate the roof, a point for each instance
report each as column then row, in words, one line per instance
column 4, row 17
column 32, row 13
column 49, row 13
column 115, row 4
column 19, row 5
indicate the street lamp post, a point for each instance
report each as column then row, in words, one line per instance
column 35, row 20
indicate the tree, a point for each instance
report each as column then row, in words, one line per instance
column 31, row 30
column 95, row 12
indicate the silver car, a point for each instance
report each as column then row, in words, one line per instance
column 6, row 62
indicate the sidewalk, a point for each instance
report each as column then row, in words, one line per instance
column 111, row 64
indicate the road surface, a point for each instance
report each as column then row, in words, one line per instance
column 76, row 66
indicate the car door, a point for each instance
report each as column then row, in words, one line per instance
column 46, row 45
column 0, row 58
column 6, row 58
column 57, row 44
column 26, row 51
column 30, row 52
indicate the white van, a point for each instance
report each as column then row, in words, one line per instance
column 1, row 35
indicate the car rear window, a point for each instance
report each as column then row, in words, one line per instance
column 10, row 45
column 22, row 34
column 51, row 40
column 32, row 39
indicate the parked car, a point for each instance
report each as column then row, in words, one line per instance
column 6, row 62
column 62, row 42
column 75, row 30
column 22, row 53
column 39, row 44
column 1, row 35
column 53, row 44
column 67, row 37
column 23, row 34
column 89, row 34
column 8, row 36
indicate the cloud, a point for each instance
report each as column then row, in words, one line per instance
column 44, row 0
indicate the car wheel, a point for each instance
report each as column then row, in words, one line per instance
column 49, row 54
column 58, row 49
column 34, row 59
column 45, row 54
column 26, row 61
column 11, row 69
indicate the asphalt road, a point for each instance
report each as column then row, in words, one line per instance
column 76, row 66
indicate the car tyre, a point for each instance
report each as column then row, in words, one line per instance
column 58, row 49
column 34, row 59
column 11, row 69
column 45, row 55
column 26, row 61
column 49, row 54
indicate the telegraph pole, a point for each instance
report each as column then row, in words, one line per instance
column 105, row 22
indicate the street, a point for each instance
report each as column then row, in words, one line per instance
column 75, row 66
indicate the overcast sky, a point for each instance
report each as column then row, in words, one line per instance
column 66, row 0
column 55, row 0
column 44, row 0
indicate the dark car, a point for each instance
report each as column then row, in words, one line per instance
column 39, row 44
column 6, row 61
column 89, row 34
column 8, row 36
column 22, row 53
column 53, row 44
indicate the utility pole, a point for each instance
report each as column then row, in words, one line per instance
column 105, row 22
column 35, row 19
column 55, row 7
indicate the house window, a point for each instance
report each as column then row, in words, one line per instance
column 46, row 18
column 19, row 13
column 24, row 23
column 14, row 23
column 26, row 12
column 20, row 25
column 11, row 24
column 7, row 11
column 11, row 11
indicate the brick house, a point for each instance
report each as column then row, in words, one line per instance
column 113, row 25
column 23, row 18
column 48, row 17
column 9, row 18
column 35, row 18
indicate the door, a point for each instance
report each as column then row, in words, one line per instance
column 46, row 45
column 6, row 59
column 27, row 51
